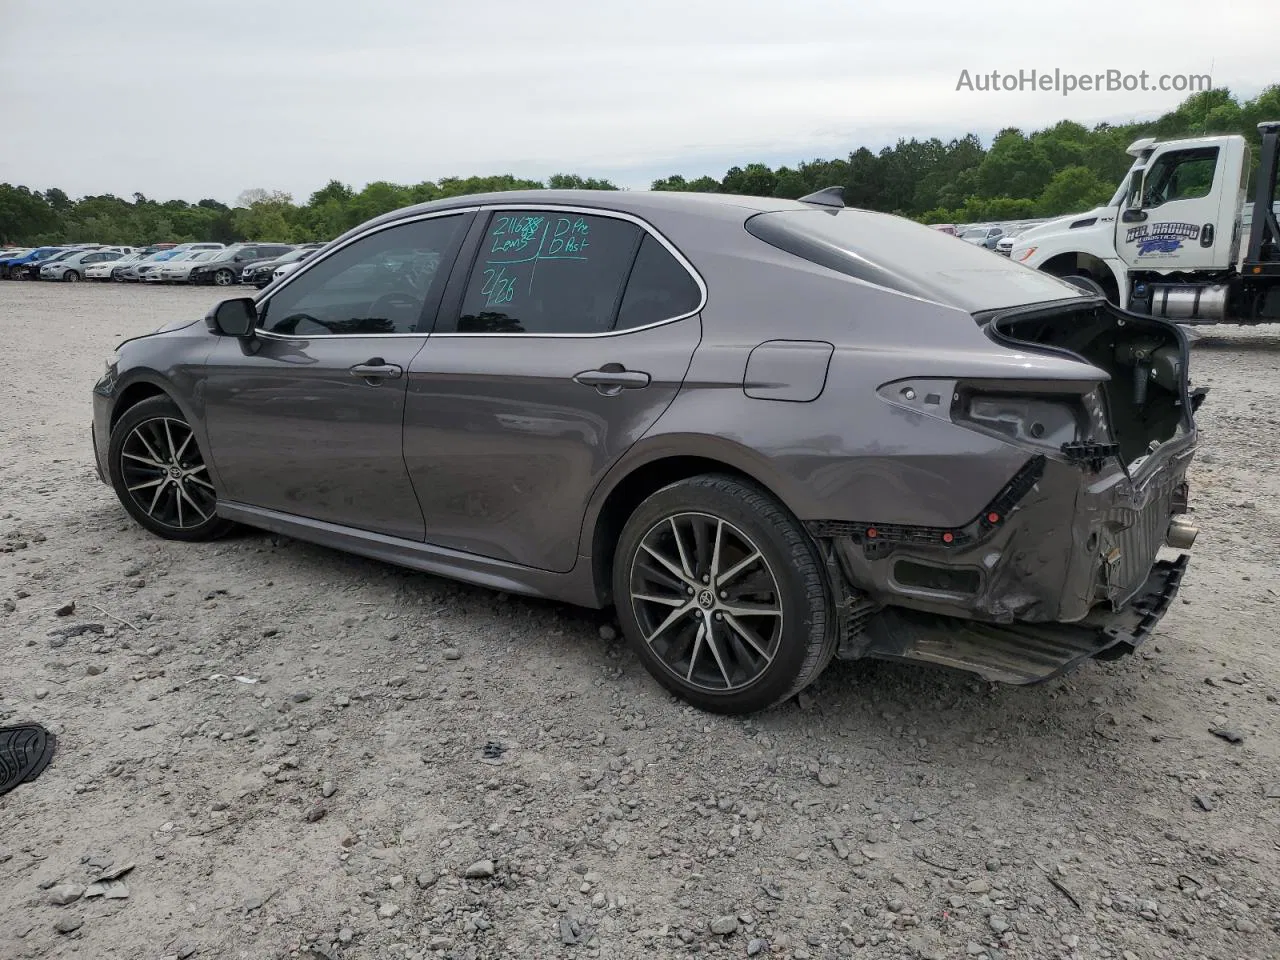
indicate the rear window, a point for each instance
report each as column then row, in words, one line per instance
column 908, row 257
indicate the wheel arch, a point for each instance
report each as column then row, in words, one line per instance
column 647, row 470
column 1078, row 262
column 142, row 387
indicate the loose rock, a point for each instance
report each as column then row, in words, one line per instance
column 65, row 893
column 723, row 926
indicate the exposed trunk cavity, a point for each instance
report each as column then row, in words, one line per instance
column 1147, row 398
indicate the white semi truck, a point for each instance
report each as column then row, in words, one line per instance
column 1171, row 242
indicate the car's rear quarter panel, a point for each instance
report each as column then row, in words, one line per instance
column 847, row 454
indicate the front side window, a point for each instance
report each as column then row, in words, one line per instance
column 387, row 282
column 548, row 272
column 1180, row 175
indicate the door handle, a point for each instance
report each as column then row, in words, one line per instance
column 612, row 378
column 376, row 369
column 1206, row 235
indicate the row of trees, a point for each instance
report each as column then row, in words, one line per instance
column 1058, row 170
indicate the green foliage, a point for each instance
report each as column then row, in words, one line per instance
column 1072, row 189
column 1058, row 170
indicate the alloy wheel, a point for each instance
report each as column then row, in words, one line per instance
column 707, row 603
column 165, row 475
column 223, row 278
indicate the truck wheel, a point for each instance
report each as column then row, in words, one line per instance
column 1085, row 282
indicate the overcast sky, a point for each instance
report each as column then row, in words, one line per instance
column 193, row 100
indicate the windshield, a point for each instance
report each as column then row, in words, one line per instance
column 908, row 257
column 978, row 234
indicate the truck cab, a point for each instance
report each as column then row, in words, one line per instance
column 1170, row 240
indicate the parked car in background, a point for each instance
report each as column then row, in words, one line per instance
column 983, row 236
column 1004, row 246
column 284, row 270
column 226, row 268
column 948, row 228
column 71, row 268
column 103, row 269
column 178, row 269
column 260, row 274
column 687, row 427
column 17, row 268
column 136, row 271
column 11, row 255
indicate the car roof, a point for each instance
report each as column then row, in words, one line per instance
column 640, row 203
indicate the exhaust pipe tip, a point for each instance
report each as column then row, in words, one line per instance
column 1182, row 534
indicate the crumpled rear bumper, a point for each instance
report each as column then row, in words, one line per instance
column 1060, row 567
column 1025, row 653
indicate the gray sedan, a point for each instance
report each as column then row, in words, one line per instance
column 766, row 432
column 73, row 266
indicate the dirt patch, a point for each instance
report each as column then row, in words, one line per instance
column 303, row 753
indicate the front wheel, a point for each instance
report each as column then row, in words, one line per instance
column 71, row 276
column 224, row 278
column 158, row 471
column 722, row 595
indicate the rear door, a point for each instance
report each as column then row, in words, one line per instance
column 307, row 419
column 567, row 337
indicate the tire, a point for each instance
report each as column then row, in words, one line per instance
column 71, row 276
column 224, row 278
column 1086, row 282
column 698, row 640
column 170, row 506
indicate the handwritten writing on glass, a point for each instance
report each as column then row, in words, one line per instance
column 517, row 244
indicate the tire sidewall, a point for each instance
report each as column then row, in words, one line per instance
column 805, row 618
column 150, row 409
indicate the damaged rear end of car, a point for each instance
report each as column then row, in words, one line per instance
column 1064, row 563
column 1081, row 551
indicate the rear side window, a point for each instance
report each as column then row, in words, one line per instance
column 548, row 272
column 660, row 288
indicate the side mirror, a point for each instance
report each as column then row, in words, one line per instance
column 233, row 318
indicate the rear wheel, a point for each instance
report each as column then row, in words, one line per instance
column 722, row 595
column 158, row 471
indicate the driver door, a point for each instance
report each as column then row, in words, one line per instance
column 1172, row 223
column 307, row 418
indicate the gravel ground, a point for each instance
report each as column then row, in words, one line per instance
column 423, row 769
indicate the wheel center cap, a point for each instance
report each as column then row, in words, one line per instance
column 175, row 472
column 706, row 599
